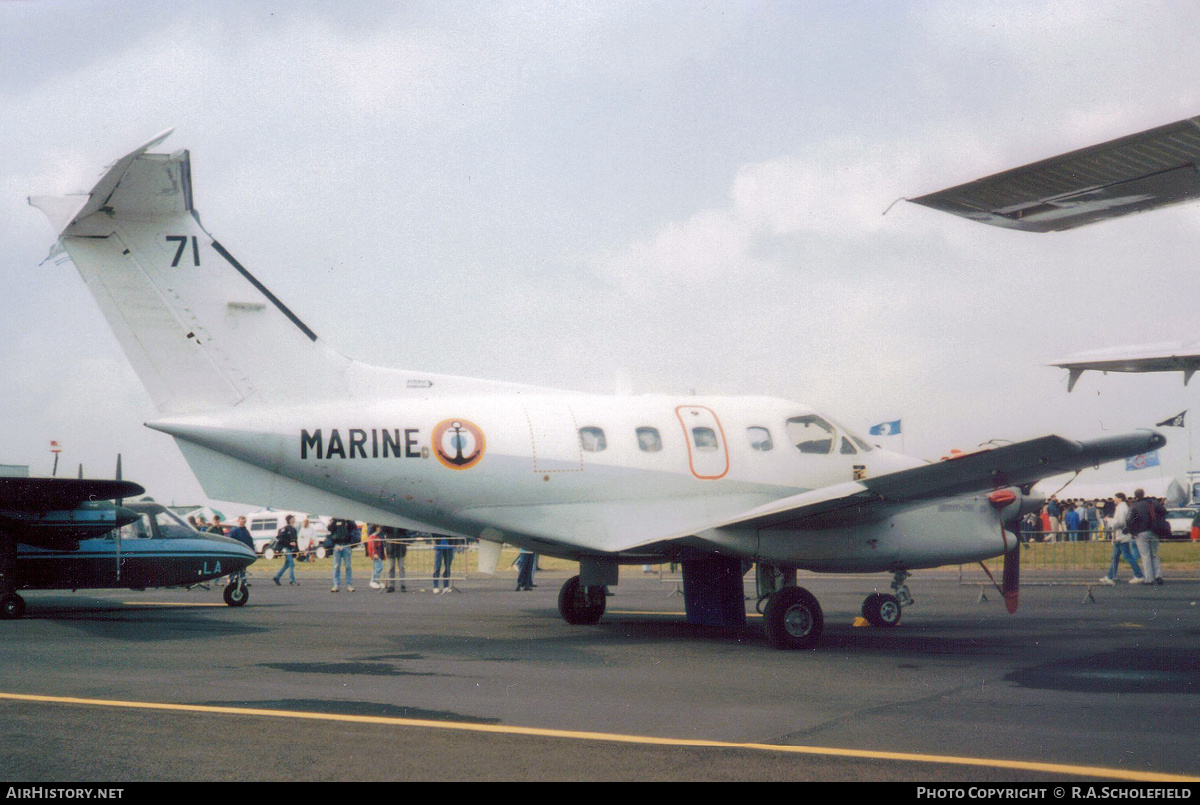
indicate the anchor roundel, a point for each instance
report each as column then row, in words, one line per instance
column 458, row 444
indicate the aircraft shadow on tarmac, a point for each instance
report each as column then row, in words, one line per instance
column 357, row 708
column 138, row 624
column 1148, row 670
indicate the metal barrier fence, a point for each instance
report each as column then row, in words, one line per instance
column 1047, row 559
column 1055, row 561
column 417, row 565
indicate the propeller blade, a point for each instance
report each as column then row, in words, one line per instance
column 120, row 502
column 1012, row 572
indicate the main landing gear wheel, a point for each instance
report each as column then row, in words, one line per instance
column 881, row 610
column 236, row 594
column 581, row 605
column 793, row 619
column 12, row 606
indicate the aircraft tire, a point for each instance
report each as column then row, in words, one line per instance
column 236, row 595
column 580, row 606
column 12, row 606
column 881, row 610
column 793, row 619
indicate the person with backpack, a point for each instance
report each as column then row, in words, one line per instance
column 287, row 542
column 1144, row 515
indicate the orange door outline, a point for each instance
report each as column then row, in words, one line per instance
column 702, row 465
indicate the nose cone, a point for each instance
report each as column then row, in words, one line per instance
column 243, row 556
column 1157, row 440
column 234, row 555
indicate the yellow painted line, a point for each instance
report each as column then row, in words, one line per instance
column 645, row 740
column 168, row 604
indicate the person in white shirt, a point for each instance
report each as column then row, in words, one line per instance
column 1122, row 544
column 307, row 537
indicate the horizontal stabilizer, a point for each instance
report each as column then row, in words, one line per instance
column 1141, row 172
column 108, row 192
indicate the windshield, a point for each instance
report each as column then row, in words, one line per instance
column 166, row 525
column 172, row 526
column 810, row 434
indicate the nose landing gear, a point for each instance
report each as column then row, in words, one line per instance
column 881, row 609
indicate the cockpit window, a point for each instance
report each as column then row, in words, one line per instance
column 810, row 434
column 760, row 438
column 705, row 440
column 592, row 439
column 648, row 440
column 138, row 529
column 847, row 448
column 166, row 525
column 172, row 526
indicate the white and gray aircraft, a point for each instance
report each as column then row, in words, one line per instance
column 1141, row 172
column 713, row 482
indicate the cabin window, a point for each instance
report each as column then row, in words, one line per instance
column 810, row 434
column 705, row 440
column 760, row 438
column 592, row 439
column 138, row 529
column 648, row 440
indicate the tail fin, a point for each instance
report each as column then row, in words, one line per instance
column 199, row 329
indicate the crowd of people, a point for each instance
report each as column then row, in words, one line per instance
column 1134, row 528
column 383, row 544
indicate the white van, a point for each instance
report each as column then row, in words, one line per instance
column 264, row 525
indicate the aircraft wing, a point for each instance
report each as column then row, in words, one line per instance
column 1167, row 357
column 40, row 494
column 1011, row 465
column 58, row 512
column 1143, row 171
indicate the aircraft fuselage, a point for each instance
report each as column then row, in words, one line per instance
column 577, row 475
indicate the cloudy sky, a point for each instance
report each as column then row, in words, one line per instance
column 690, row 196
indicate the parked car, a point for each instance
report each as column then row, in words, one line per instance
column 264, row 525
column 1181, row 522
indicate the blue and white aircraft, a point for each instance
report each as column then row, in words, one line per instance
column 68, row 534
column 713, row 482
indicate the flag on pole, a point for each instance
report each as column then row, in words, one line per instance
column 886, row 429
column 1143, row 461
column 1174, row 422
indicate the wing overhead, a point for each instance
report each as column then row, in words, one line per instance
column 56, row 513
column 41, row 494
column 1143, row 171
column 1169, row 357
column 1011, row 465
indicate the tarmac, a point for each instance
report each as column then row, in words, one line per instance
column 488, row 683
